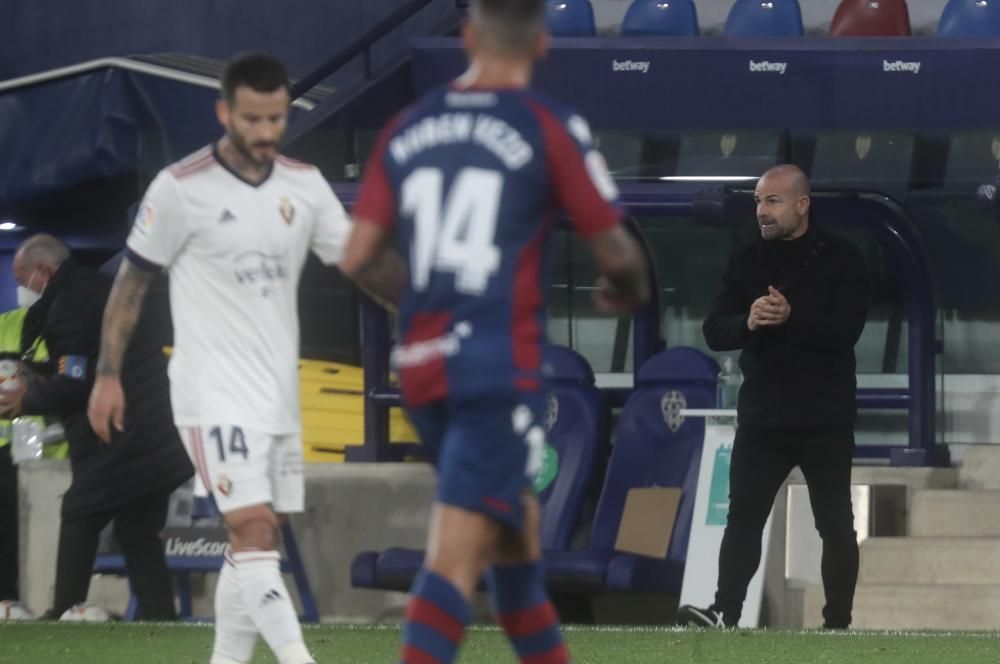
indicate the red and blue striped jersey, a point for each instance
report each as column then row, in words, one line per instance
column 470, row 182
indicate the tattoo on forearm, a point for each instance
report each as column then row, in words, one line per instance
column 120, row 316
column 383, row 278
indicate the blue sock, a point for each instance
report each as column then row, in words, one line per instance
column 526, row 614
column 436, row 617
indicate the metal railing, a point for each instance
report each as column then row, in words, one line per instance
column 359, row 46
column 875, row 213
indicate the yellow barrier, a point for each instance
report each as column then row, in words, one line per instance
column 333, row 410
column 333, row 407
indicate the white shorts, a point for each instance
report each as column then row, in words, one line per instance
column 241, row 467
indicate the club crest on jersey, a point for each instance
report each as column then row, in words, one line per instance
column 287, row 210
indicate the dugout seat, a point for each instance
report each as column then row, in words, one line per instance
column 764, row 18
column 741, row 153
column 871, row 18
column 958, row 230
column 970, row 18
column 655, row 18
column 654, row 446
column 570, row 18
column 973, row 158
column 624, row 151
column 577, row 420
column 879, row 160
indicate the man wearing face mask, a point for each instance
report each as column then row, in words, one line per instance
column 11, row 326
column 128, row 481
column 794, row 302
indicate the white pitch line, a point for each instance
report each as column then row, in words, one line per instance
column 605, row 629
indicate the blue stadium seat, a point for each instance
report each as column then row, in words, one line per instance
column 570, row 18
column 578, row 421
column 654, row 446
column 649, row 18
column 578, row 426
column 764, row 18
column 970, row 18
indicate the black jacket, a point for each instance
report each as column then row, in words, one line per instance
column 800, row 374
column 148, row 456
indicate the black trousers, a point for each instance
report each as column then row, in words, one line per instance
column 137, row 528
column 8, row 527
column 761, row 461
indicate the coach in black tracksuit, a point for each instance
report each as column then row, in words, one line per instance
column 794, row 301
column 130, row 480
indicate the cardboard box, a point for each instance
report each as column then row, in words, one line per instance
column 648, row 521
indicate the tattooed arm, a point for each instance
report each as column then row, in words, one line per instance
column 373, row 266
column 107, row 400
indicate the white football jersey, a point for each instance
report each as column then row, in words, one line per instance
column 234, row 252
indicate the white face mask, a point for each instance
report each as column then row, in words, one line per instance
column 25, row 296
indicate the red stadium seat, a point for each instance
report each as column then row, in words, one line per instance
column 871, row 18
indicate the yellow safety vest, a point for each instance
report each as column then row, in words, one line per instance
column 11, row 324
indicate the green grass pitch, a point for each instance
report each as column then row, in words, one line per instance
column 118, row 643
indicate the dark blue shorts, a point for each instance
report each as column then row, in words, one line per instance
column 480, row 448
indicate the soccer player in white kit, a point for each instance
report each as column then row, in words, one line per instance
column 232, row 225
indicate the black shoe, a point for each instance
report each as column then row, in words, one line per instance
column 688, row 616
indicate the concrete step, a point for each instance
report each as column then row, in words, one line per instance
column 930, row 560
column 980, row 467
column 944, row 607
column 951, row 513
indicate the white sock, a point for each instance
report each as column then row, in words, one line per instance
column 266, row 599
column 235, row 632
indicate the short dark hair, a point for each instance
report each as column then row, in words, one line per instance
column 512, row 25
column 261, row 72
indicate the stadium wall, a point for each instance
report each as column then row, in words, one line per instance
column 356, row 507
column 44, row 34
column 349, row 508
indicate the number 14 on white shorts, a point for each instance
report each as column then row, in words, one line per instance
column 242, row 467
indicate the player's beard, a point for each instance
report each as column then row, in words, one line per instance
column 246, row 149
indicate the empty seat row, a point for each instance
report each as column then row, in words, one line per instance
column 845, row 158
column 655, row 446
column 842, row 157
column 776, row 18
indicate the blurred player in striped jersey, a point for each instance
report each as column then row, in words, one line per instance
column 469, row 180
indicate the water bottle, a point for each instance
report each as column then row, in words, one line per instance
column 728, row 384
column 26, row 439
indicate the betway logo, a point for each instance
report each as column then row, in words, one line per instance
column 199, row 548
column 765, row 66
column 630, row 65
column 899, row 65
